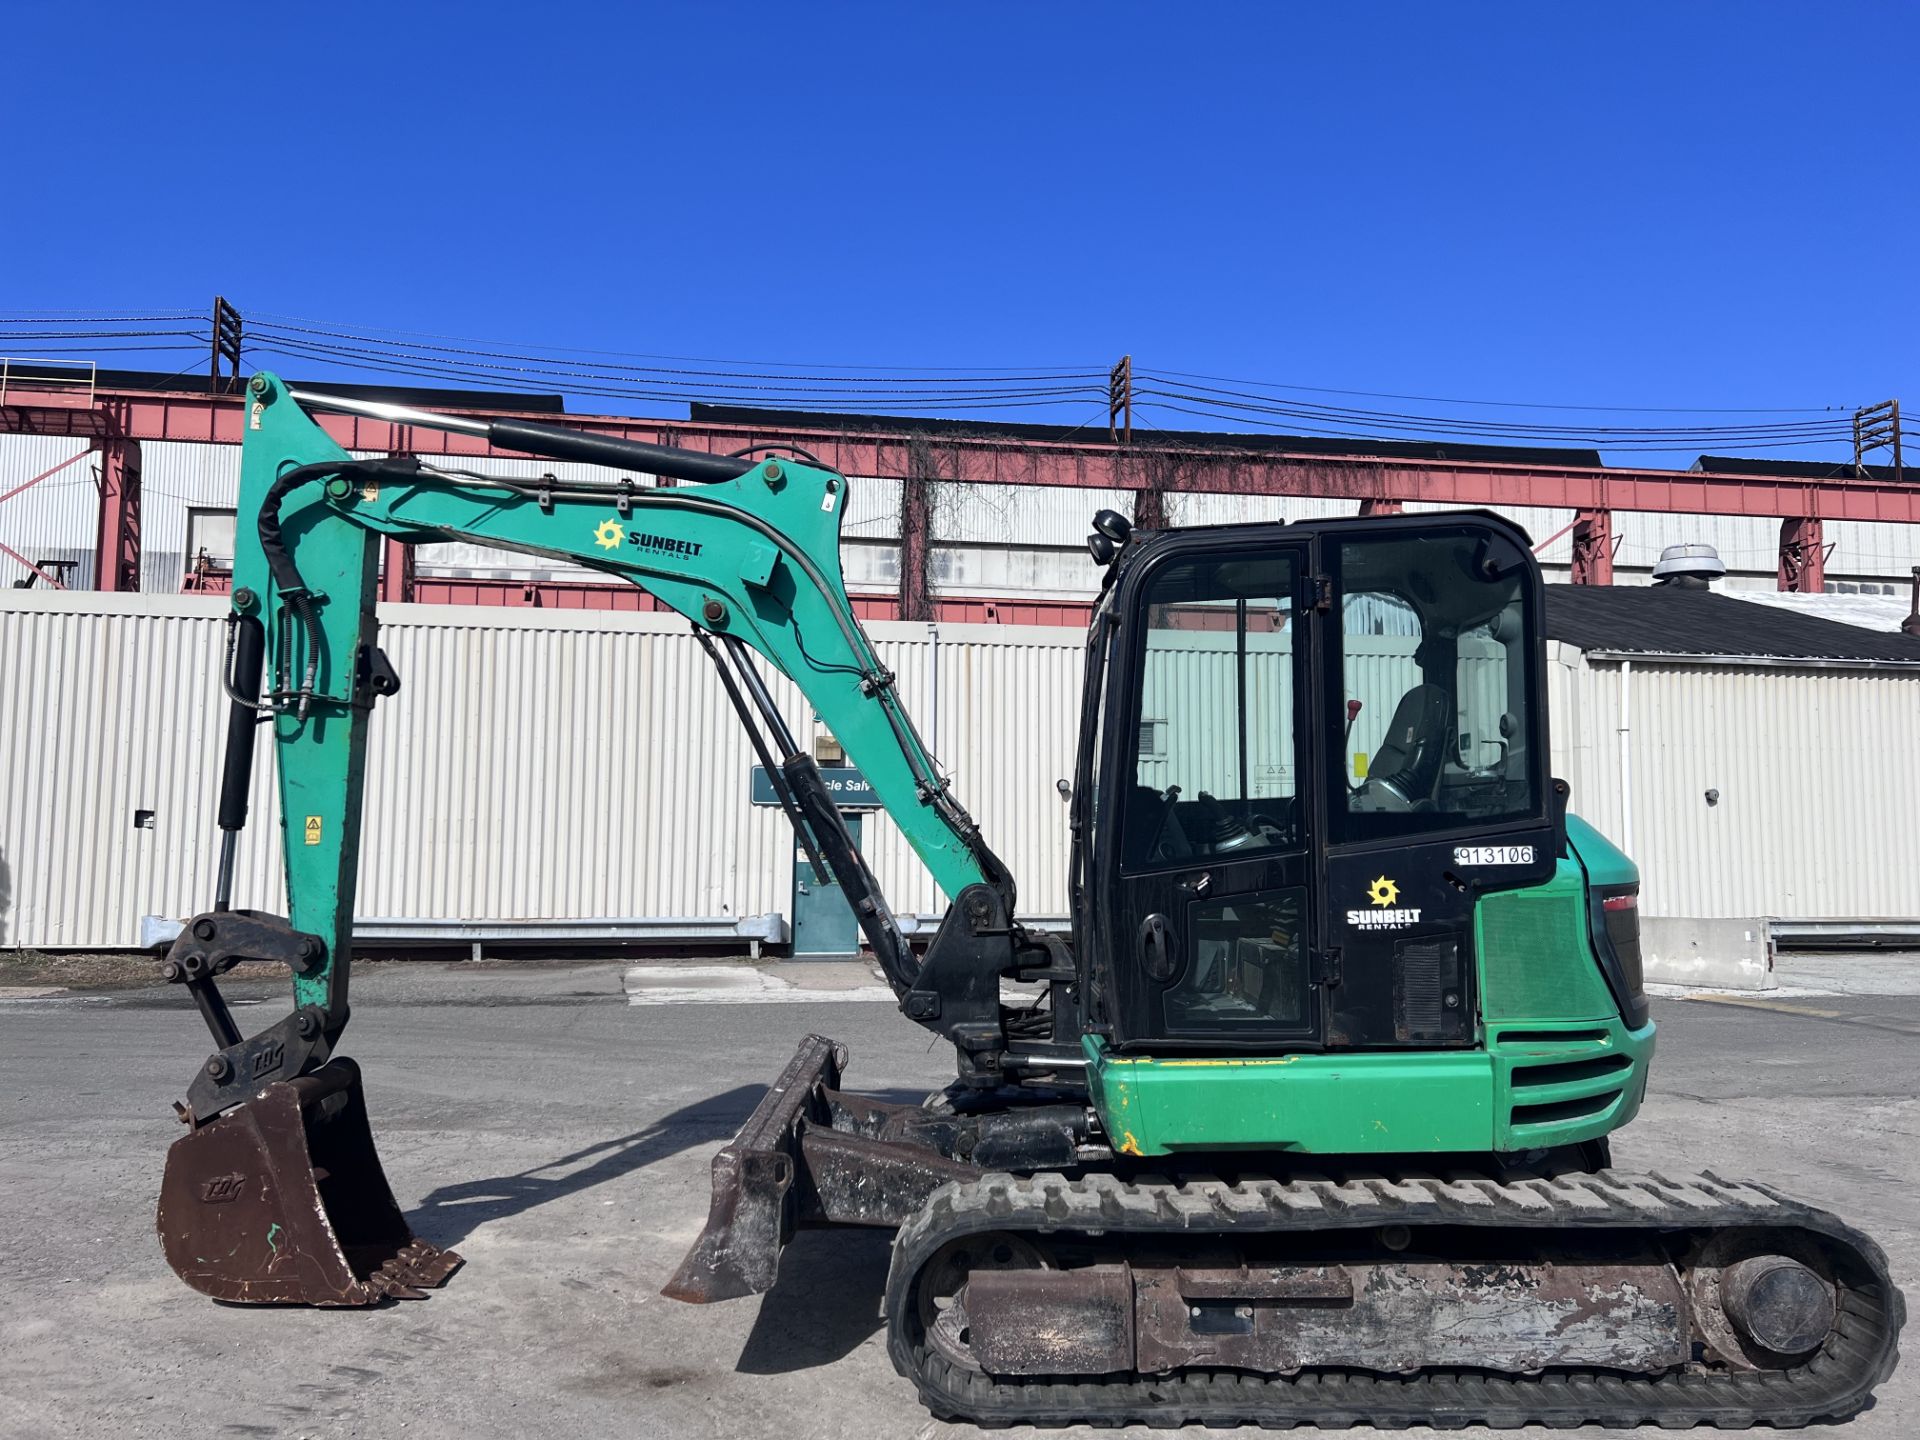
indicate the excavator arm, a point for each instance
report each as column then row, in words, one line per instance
column 747, row 549
column 749, row 552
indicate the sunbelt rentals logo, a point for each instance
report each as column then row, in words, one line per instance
column 1387, row 913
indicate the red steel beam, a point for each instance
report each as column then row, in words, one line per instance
column 45, row 474
column 1803, row 556
column 116, row 552
column 1592, row 562
column 54, row 580
column 396, row 571
column 1076, row 464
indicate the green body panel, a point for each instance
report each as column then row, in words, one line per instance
column 1378, row 1102
column 1346, row 1104
column 1535, row 956
column 688, row 559
column 1606, row 863
column 1554, row 1065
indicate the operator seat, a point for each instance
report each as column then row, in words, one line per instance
column 1410, row 757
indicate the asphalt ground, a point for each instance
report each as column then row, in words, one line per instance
column 559, row 1137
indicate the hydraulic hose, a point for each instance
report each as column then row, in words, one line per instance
column 286, row 575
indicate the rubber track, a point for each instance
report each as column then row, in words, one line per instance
column 1831, row 1384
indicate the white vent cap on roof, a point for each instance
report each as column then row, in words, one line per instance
column 1693, row 560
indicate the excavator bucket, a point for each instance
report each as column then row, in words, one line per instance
column 282, row 1201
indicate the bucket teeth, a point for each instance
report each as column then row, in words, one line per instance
column 419, row 1266
column 282, row 1201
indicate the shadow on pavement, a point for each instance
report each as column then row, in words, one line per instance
column 825, row 1303
column 452, row 1212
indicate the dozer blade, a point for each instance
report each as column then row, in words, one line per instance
column 282, row 1201
column 753, row 1213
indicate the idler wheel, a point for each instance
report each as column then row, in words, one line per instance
column 1777, row 1303
column 943, row 1288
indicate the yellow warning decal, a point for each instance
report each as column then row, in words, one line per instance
column 313, row 829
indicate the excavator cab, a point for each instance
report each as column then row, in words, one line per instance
column 1299, row 741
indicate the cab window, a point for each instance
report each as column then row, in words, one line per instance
column 1436, row 723
column 1212, row 740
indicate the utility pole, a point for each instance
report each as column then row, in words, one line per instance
column 1120, row 401
column 1874, row 427
column 226, row 341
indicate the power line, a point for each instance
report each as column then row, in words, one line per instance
column 722, row 381
column 268, row 316
column 1226, row 399
column 40, row 350
column 969, row 378
column 419, row 370
column 1662, row 445
column 1256, row 406
column 89, row 317
column 1500, row 404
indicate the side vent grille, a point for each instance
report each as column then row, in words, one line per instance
column 1429, row 1001
column 1559, row 1112
column 1532, row 1076
column 1558, row 1092
column 1580, row 1038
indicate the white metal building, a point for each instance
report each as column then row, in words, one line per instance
column 1753, row 758
column 1006, row 541
column 583, row 767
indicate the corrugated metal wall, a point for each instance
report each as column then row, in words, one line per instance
column 535, row 764
column 108, row 714
column 59, row 518
column 585, row 765
column 176, row 476
column 1817, row 791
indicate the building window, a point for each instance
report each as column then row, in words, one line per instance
column 209, row 540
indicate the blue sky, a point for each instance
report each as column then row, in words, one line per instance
column 1638, row 205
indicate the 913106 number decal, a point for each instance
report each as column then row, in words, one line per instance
column 1493, row 855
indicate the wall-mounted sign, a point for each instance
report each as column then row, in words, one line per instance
column 847, row 785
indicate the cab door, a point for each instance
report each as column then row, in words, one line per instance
column 1206, row 833
column 1434, row 717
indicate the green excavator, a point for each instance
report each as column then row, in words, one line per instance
column 1307, row 1119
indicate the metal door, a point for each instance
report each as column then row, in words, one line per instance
column 823, row 924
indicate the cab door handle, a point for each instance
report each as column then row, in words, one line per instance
column 1157, row 948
